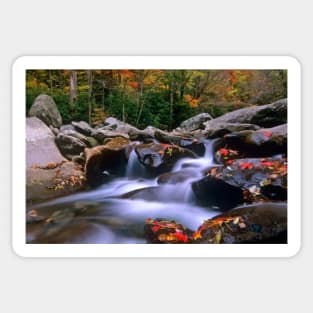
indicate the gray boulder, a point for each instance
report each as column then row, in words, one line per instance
column 69, row 145
column 83, row 127
column 267, row 115
column 216, row 130
column 40, row 145
column 46, row 110
column 195, row 122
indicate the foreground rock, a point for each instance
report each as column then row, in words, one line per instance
column 165, row 231
column 53, row 180
column 160, row 158
column 267, row 115
column 46, row 110
column 40, row 145
column 257, row 223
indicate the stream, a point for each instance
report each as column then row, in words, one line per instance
column 116, row 211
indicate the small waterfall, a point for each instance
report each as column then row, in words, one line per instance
column 134, row 167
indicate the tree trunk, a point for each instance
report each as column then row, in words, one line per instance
column 73, row 89
column 90, row 81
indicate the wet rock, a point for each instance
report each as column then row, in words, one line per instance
column 166, row 232
column 187, row 142
column 46, row 110
column 103, row 161
column 176, row 177
column 53, row 180
column 40, row 145
column 69, row 145
column 83, row 127
column 117, row 143
column 260, row 143
column 160, row 158
column 195, row 122
column 213, row 192
column 260, row 178
column 257, row 223
column 267, row 115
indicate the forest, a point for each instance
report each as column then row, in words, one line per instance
column 161, row 98
column 156, row 156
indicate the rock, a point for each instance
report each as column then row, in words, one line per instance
column 267, row 115
column 83, row 127
column 46, row 110
column 257, row 223
column 187, row 142
column 220, row 129
column 54, row 130
column 76, row 134
column 102, row 134
column 195, row 122
column 47, row 182
column 262, row 142
column 69, row 145
column 67, row 127
column 176, row 177
column 92, row 142
column 213, row 192
column 117, row 143
column 109, row 158
column 160, row 158
column 40, row 145
column 128, row 130
column 262, row 179
column 164, row 231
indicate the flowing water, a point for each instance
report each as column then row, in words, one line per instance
column 116, row 211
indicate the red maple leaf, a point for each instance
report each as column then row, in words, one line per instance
column 246, row 165
column 224, row 152
column 156, row 228
column 267, row 134
column 180, row 236
column 267, row 163
column 229, row 162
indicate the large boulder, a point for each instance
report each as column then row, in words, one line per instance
column 40, row 145
column 267, row 115
column 53, row 180
column 259, row 143
column 213, row 192
column 262, row 179
column 105, row 161
column 45, row 109
column 160, row 158
column 195, row 122
column 256, row 223
column 220, row 129
column 70, row 145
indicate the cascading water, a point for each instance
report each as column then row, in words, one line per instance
column 115, row 212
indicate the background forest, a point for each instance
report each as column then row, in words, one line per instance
column 161, row 98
